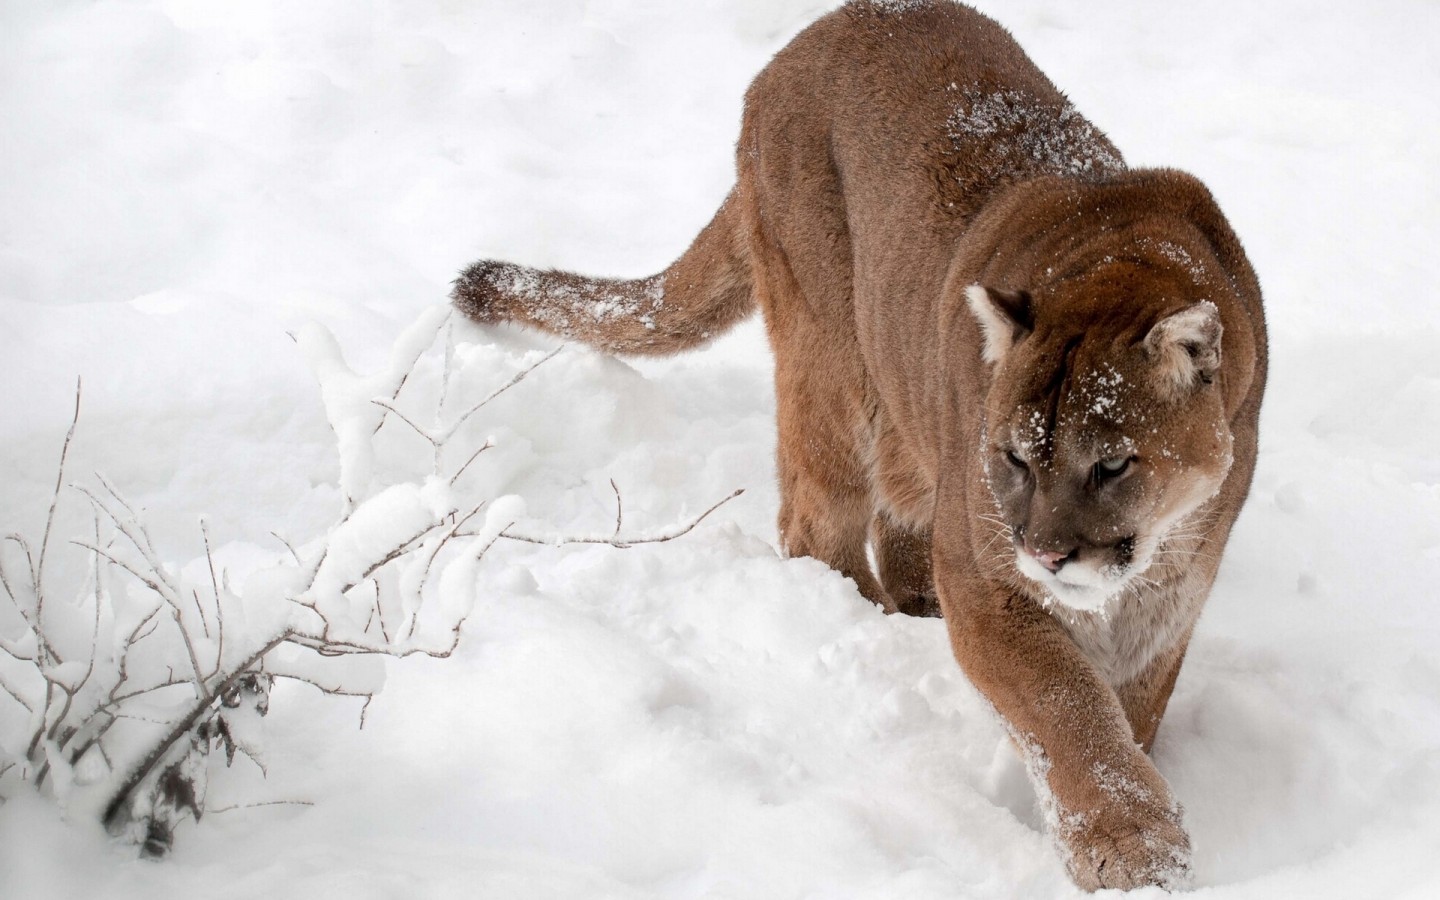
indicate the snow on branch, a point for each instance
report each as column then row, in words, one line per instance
column 128, row 683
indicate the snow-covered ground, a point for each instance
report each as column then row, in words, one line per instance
column 183, row 182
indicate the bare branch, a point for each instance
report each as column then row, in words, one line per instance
column 117, row 699
column 461, row 471
column 394, row 554
column 54, row 501
column 243, row 806
column 15, row 693
column 619, row 511
column 32, row 617
column 430, row 561
column 389, row 407
column 99, row 600
column 335, row 647
column 333, row 691
column 219, row 613
column 519, row 377
column 181, row 728
column 288, row 546
column 12, row 649
column 379, row 614
column 615, row 541
column 5, row 583
column 447, row 369
column 175, row 613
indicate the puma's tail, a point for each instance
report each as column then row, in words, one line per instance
column 701, row 295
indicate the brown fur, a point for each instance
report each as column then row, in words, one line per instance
column 1028, row 375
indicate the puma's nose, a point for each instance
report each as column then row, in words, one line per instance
column 1049, row 558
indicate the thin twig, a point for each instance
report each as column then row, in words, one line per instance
column 181, row 728
column 447, row 369
column 333, row 691
column 394, row 554
column 293, row 554
column 99, row 598
column 239, row 806
column 389, row 407
column 39, row 573
column 215, row 586
column 15, row 692
column 380, row 612
column 174, row 608
column 619, row 510
column 461, row 471
column 47, row 653
column 561, row 540
column 430, row 562
column 519, row 377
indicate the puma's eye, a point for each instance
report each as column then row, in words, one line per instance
column 1112, row 467
column 1015, row 460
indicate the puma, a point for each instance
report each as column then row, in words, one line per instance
column 1027, row 376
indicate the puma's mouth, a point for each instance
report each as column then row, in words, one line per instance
column 1074, row 583
column 1079, row 597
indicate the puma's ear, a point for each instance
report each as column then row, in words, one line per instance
column 1185, row 347
column 1005, row 319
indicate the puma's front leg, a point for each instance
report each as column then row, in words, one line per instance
column 1112, row 812
column 1145, row 696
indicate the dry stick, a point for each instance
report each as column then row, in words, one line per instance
column 393, row 394
column 94, row 649
column 15, row 693
column 379, row 611
column 293, row 554
column 51, row 719
column 327, row 646
column 174, row 608
column 39, row 572
column 389, row 407
column 430, row 562
column 559, row 541
column 405, row 376
column 336, row 647
column 332, row 691
column 47, row 653
column 181, row 728
column 32, row 747
column 139, row 536
column 461, row 471
column 215, row 586
column 394, row 554
column 519, row 377
column 447, row 370
column 10, row 648
column 115, row 698
column 442, row 434
column 239, row 806
column 95, row 630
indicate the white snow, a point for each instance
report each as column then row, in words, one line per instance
column 185, row 182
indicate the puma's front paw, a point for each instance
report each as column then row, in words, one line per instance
column 1128, row 848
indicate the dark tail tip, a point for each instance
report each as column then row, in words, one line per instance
column 481, row 289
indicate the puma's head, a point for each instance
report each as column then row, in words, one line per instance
column 1105, row 426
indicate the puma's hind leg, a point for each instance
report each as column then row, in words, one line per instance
column 823, row 413
column 903, row 557
column 825, row 499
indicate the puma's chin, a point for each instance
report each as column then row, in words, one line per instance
column 1077, row 587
